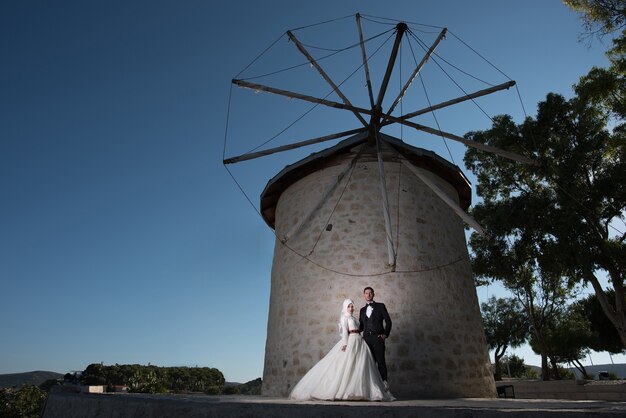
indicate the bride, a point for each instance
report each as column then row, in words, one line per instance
column 347, row 372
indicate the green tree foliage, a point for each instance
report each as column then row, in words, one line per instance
column 600, row 16
column 605, row 336
column 27, row 401
column 253, row 387
column 515, row 261
column 514, row 366
column 605, row 88
column 154, row 379
column 506, row 325
column 551, row 224
column 567, row 338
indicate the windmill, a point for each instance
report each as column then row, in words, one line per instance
column 337, row 231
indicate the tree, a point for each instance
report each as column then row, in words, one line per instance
column 514, row 366
column 154, row 379
column 604, row 334
column 26, row 401
column 567, row 338
column 514, row 259
column 505, row 325
column 600, row 16
column 554, row 221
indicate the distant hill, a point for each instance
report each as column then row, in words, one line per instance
column 253, row 387
column 34, row 378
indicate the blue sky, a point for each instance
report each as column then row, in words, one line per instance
column 122, row 237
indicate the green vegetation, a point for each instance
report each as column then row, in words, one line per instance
column 253, row 387
column 551, row 227
column 506, row 325
column 25, row 401
column 153, row 379
column 514, row 367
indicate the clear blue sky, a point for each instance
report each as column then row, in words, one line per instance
column 122, row 237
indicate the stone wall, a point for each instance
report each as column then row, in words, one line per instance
column 568, row 389
column 437, row 345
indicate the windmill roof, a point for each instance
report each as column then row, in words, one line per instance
column 419, row 157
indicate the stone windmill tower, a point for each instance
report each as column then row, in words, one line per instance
column 375, row 211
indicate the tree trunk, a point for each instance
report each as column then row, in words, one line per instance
column 545, row 368
column 581, row 368
column 497, row 355
column 616, row 316
column 555, row 369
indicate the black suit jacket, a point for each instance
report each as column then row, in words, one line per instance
column 380, row 319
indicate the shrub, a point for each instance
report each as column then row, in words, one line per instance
column 27, row 401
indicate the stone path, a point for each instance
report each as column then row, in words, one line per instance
column 139, row 405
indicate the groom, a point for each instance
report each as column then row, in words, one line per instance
column 371, row 318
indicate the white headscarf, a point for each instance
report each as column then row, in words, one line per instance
column 344, row 309
column 343, row 318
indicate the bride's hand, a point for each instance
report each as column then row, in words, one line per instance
column 343, row 348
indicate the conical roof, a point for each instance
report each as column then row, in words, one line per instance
column 419, row 157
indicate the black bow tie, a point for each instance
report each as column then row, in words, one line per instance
column 371, row 304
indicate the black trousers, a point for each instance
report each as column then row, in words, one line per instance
column 377, row 347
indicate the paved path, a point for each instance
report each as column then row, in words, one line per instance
column 139, row 405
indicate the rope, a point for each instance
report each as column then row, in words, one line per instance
column 424, row 46
column 385, row 198
column 230, row 96
column 452, row 79
column 398, row 207
column 445, row 142
column 397, row 20
column 307, row 63
column 476, row 52
column 322, row 23
column 260, row 55
column 317, row 104
column 353, row 163
column 382, row 273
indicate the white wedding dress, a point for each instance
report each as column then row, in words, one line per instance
column 344, row 375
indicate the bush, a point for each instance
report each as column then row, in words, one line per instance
column 530, row 373
column 566, row 374
column 213, row 390
column 513, row 364
column 252, row 387
column 27, row 401
column 231, row 390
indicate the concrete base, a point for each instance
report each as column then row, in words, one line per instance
column 137, row 405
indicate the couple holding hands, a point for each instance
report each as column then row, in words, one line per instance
column 355, row 368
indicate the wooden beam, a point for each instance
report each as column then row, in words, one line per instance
column 471, row 96
column 263, row 153
column 401, row 28
column 365, row 65
column 292, row 95
column 391, row 251
column 417, row 70
column 443, row 196
column 303, row 50
column 474, row 144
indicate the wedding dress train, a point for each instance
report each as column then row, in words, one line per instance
column 344, row 375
